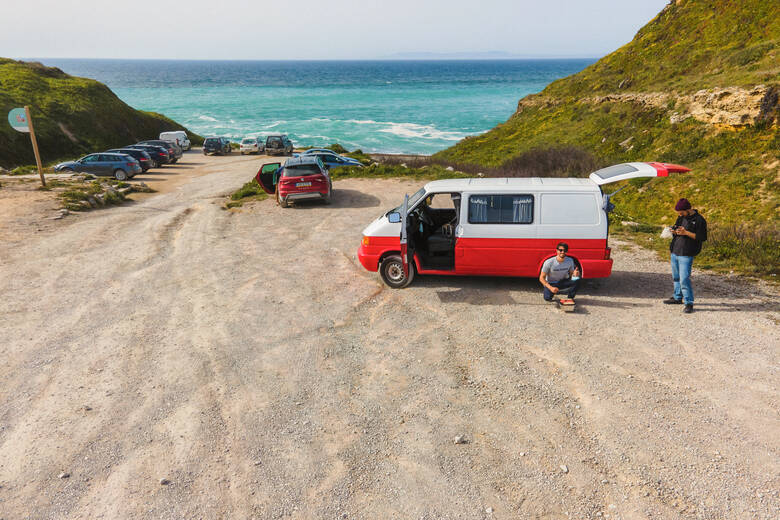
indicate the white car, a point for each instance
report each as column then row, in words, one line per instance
column 251, row 145
column 179, row 137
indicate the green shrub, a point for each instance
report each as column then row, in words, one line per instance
column 418, row 172
column 749, row 249
column 338, row 148
column 360, row 156
column 250, row 189
column 74, row 195
column 113, row 197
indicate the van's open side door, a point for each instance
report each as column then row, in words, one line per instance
column 405, row 235
column 267, row 177
column 635, row 170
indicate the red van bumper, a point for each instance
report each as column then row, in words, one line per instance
column 369, row 258
column 596, row 268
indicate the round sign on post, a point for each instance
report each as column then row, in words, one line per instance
column 18, row 120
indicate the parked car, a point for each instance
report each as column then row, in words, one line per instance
column 174, row 150
column 315, row 150
column 217, row 145
column 278, row 145
column 301, row 178
column 158, row 154
column 143, row 158
column 179, row 137
column 498, row 227
column 331, row 159
column 251, row 145
column 118, row 165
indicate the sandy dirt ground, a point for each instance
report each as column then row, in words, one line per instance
column 169, row 358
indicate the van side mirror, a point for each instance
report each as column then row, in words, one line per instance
column 394, row 217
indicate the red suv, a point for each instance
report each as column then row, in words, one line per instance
column 301, row 178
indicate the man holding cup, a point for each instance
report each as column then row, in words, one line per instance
column 560, row 273
column 688, row 232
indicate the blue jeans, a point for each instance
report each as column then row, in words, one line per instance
column 681, row 274
column 566, row 283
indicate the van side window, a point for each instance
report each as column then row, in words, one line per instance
column 569, row 209
column 501, row 209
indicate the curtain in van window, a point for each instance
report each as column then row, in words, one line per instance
column 522, row 209
column 478, row 209
column 501, row 209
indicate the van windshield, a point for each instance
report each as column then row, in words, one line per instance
column 412, row 201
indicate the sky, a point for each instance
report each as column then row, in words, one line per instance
column 317, row 29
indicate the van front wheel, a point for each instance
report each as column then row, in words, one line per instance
column 392, row 272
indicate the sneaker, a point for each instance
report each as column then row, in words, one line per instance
column 672, row 301
column 549, row 300
column 688, row 308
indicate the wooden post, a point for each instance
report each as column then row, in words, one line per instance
column 35, row 145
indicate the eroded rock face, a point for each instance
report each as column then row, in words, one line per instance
column 729, row 106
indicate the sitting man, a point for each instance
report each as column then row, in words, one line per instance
column 559, row 273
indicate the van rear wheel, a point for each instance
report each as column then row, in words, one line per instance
column 392, row 272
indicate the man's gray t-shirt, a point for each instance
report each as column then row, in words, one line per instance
column 557, row 271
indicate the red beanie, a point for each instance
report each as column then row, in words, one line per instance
column 682, row 205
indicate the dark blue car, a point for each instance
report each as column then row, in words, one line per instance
column 118, row 165
column 331, row 159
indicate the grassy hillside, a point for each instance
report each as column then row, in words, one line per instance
column 690, row 45
column 72, row 116
column 642, row 103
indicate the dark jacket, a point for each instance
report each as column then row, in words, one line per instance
column 687, row 246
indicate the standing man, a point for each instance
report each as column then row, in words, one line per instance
column 559, row 273
column 689, row 232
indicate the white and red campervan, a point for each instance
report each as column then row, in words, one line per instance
column 498, row 227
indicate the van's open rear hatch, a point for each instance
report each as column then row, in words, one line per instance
column 635, row 170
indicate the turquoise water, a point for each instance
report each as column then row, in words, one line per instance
column 378, row 106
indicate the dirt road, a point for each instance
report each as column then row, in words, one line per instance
column 247, row 358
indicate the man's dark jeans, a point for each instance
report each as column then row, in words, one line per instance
column 562, row 285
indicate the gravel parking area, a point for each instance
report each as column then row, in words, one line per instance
column 169, row 358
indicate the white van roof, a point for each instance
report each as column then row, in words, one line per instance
column 615, row 173
column 513, row 184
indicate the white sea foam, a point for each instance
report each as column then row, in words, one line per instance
column 415, row 131
column 307, row 136
column 206, row 118
column 410, row 130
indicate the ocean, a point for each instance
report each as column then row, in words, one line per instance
column 416, row 107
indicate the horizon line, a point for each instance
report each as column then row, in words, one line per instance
column 496, row 58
